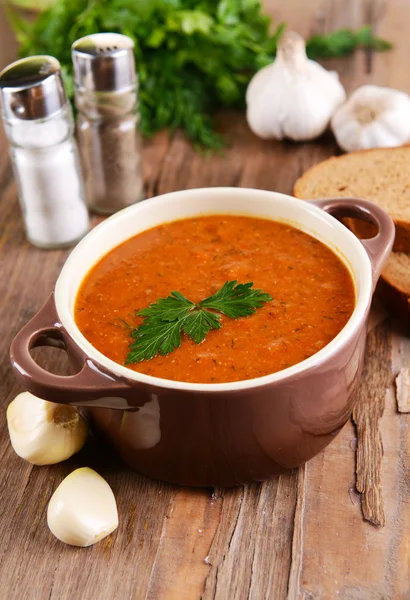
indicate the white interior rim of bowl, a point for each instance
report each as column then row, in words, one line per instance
column 356, row 320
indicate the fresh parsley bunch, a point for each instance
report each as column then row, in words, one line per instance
column 193, row 56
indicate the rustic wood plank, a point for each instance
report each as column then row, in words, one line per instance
column 250, row 555
column 299, row 536
column 182, row 562
column 296, row 566
column 121, row 566
column 366, row 415
column 273, row 543
column 298, row 15
column 155, row 152
column 397, row 444
column 390, row 69
column 403, row 391
column 8, row 43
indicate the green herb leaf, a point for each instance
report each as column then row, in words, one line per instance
column 343, row 42
column 193, row 57
column 166, row 320
column 199, row 323
column 236, row 299
column 190, row 21
column 172, row 308
column 154, row 337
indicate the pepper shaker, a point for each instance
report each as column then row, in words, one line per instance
column 106, row 96
column 39, row 125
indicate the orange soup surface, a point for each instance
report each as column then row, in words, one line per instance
column 312, row 290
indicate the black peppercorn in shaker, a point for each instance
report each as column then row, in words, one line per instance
column 106, row 96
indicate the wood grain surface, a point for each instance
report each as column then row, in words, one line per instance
column 403, row 390
column 302, row 536
column 366, row 416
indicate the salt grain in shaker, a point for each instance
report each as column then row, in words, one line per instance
column 106, row 94
column 38, row 122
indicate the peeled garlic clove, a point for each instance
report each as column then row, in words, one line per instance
column 373, row 117
column 294, row 97
column 82, row 511
column 44, row 433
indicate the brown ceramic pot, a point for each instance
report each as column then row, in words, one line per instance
column 212, row 434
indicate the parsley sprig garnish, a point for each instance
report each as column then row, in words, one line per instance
column 165, row 321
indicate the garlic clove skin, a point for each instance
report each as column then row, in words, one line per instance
column 373, row 117
column 44, row 433
column 294, row 97
column 82, row 511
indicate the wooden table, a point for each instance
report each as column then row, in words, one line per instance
column 301, row 536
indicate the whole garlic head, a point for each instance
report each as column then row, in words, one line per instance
column 44, row 433
column 294, row 97
column 82, row 511
column 373, row 117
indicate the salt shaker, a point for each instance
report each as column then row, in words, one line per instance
column 39, row 125
column 106, row 95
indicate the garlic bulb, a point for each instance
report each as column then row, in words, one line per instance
column 42, row 432
column 373, row 117
column 294, row 97
column 82, row 511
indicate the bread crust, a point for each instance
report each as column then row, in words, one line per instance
column 401, row 241
column 361, row 229
column 396, row 301
column 307, row 174
column 394, row 295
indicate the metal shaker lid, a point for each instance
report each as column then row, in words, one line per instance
column 32, row 88
column 104, row 62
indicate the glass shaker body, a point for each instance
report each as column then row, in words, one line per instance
column 48, row 176
column 110, row 148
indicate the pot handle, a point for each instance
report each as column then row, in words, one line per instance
column 90, row 386
column 378, row 247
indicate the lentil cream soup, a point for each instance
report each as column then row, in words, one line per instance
column 312, row 290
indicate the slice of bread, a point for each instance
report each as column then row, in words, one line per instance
column 381, row 175
column 394, row 286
